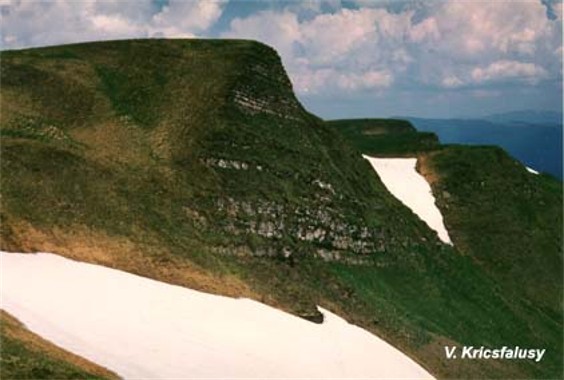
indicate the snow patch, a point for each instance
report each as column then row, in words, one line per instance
column 401, row 178
column 141, row 328
column 531, row 170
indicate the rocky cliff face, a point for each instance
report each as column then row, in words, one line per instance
column 267, row 143
column 252, row 91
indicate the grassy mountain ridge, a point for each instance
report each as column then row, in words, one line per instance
column 506, row 219
column 383, row 137
column 493, row 207
column 156, row 155
column 232, row 141
column 505, row 216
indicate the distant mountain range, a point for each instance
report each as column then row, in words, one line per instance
column 534, row 138
column 527, row 116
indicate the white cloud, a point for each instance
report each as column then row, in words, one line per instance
column 195, row 16
column 113, row 25
column 469, row 29
column 452, row 81
column 345, row 50
column 315, row 81
column 375, row 79
column 279, row 29
column 39, row 23
column 326, row 47
column 425, row 30
column 136, row 11
column 327, row 37
column 447, row 44
column 500, row 70
column 309, row 81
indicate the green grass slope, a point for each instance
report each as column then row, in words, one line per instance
column 510, row 222
column 384, row 137
column 192, row 162
column 506, row 219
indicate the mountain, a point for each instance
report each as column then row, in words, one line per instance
column 192, row 162
column 527, row 117
column 385, row 136
column 496, row 212
column 537, row 145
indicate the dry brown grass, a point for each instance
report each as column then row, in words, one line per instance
column 114, row 141
column 425, row 169
column 12, row 328
column 83, row 244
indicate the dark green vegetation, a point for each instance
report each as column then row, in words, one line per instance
column 24, row 355
column 506, row 219
column 197, row 152
column 384, row 137
column 510, row 222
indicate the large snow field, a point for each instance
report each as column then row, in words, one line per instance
column 141, row 328
column 401, row 178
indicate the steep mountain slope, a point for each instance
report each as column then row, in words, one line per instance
column 200, row 148
column 507, row 219
column 191, row 162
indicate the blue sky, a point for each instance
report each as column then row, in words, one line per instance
column 347, row 58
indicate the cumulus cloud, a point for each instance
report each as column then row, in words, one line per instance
column 494, row 27
column 449, row 44
column 186, row 16
column 427, row 29
column 350, row 49
column 38, row 23
column 328, row 36
column 279, row 29
column 332, row 47
column 500, row 70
